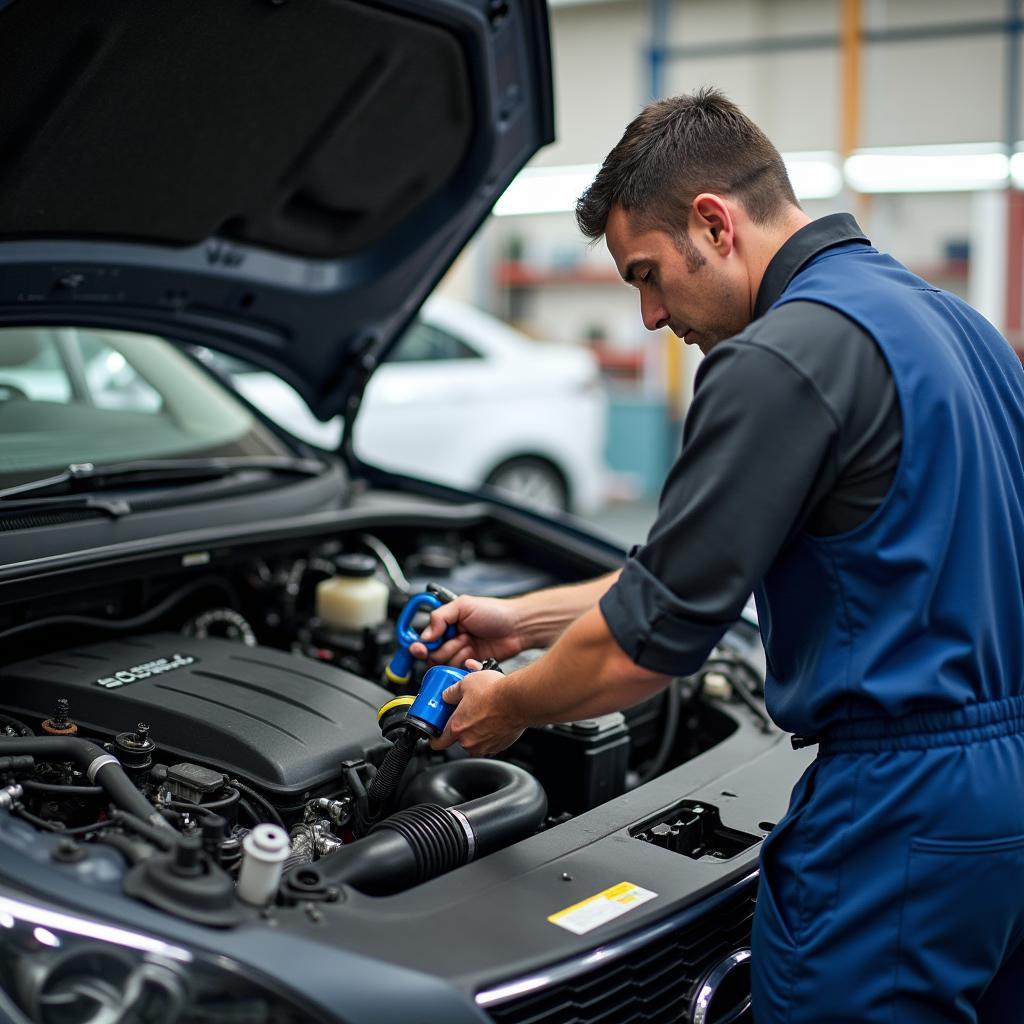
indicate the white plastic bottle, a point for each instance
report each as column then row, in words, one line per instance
column 353, row 599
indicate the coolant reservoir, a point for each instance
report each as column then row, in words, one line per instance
column 353, row 599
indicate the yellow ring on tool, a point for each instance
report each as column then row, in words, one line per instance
column 397, row 680
column 407, row 700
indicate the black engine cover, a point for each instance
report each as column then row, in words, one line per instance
column 272, row 718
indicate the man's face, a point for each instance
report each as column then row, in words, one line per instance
column 683, row 284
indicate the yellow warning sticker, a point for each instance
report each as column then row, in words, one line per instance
column 594, row 911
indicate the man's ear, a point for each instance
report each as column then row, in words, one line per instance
column 711, row 218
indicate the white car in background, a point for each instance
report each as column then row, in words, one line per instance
column 466, row 400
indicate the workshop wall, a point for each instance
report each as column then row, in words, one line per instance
column 537, row 272
column 913, row 92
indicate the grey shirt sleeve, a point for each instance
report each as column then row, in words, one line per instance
column 784, row 417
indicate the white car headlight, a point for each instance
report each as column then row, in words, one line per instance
column 57, row 968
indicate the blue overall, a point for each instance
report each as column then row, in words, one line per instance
column 893, row 889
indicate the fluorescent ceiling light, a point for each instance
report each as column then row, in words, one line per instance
column 556, row 189
column 955, row 168
column 1017, row 169
column 546, row 189
column 814, row 175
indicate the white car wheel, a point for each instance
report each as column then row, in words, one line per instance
column 532, row 482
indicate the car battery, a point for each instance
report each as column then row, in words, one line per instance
column 579, row 764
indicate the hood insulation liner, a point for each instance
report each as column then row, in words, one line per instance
column 310, row 127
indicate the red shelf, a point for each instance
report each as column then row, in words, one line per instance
column 521, row 275
column 619, row 361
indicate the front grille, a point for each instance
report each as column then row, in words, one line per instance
column 652, row 983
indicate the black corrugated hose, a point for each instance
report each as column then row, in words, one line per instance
column 502, row 804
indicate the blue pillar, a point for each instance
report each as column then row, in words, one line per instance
column 657, row 55
column 1013, row 75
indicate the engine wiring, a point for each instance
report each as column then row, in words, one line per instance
column 128, row 625
column 388, row 562
column 744, row 681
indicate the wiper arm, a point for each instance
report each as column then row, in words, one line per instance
column 113, row 507
column 85, row 476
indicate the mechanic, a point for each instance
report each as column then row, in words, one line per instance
column 853, row 455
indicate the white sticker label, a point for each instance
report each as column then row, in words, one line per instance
column 591, row 913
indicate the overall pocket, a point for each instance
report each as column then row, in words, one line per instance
column 963, row 913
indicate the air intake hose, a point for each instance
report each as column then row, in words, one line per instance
column 505, row 804
column 101, row 768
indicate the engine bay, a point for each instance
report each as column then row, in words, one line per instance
column 214, row 721
column 281, row 722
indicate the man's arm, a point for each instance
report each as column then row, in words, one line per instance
column 494, row 628
column 758, row 455
column 585, row 674
column 546, row 614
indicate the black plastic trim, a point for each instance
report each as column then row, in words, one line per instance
column 413, row 513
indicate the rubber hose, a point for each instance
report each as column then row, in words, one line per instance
column 268, row 808
column 110, row 775
column 32, row 786
column 392, row 768
column 119, row 625
column 501, row 801
column 131, row 849
column 668, row 736
column 501, row 804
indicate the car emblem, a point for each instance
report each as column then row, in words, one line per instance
column 724, row 994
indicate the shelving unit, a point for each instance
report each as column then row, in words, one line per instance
column 522, row 282
column 522, row 275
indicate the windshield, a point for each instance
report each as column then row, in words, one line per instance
column 74, row 395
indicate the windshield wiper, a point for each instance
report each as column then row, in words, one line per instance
column 85, row 476
column 113, row 507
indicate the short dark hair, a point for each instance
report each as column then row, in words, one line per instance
column 676, row 148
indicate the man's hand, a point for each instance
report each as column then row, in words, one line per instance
column 483, row 721
column 584, row 675
column 487, row 628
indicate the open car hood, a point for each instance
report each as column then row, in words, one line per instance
column 284, row 181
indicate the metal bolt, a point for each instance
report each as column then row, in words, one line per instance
column 67, row 851
column 566, row 877
column 141, row 733
column 63, row 713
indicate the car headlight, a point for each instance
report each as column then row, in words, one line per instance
column 57, row 968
